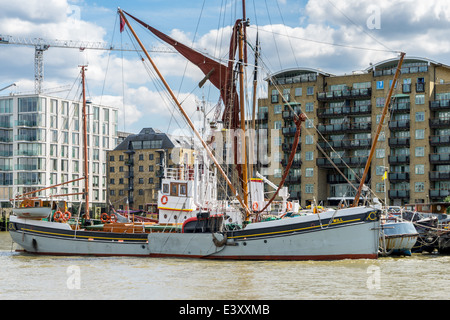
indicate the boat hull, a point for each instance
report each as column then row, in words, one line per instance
column 344, row 236
column 52, row 238
column 347, row 234
column 398, row 238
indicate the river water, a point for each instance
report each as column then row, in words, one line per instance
column 24, row 276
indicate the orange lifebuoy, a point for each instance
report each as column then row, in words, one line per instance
column 289, row 206
column 104, row 217
column 164, row 199
column 113, row 218
column 57, row 216
column 67, row 215
column 255, row 206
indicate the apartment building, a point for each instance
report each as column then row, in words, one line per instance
column 411, row 163
column 41, row 145
column 136, row 167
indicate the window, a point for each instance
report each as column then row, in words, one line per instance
column 111, row 158
column 380, row 153
column 277, row 109
column 277, row 124
column 150, row 180
column 379, row 187
column 150, row 168
column 166, row 188
column 379, row 170
column 310, row 91
column 309, row 107
column 141, row 168
column 111, row 169
column 309, row 188
column 150, row 156
column 183, row 189
column 298, row 92
column 420, row 134
column 309, row 139
column 309, row 155
column 309, row 172
column 274, row 97
column 420, row 99
column 141, row 180
column 419, row 187
column 141, row 192
column 420, row 151
column 141, row 157
column 380, row 101
column 420, row 116
column 419, row 169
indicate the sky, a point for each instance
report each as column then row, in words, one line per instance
column 335, row 36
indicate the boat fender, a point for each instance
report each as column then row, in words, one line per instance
column 220, row 243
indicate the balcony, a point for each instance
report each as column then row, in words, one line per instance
column 439, row 105
column 290, row 131
column 439, row 123
column 397, row 177
column 295, row 163
column 333, row 112
column 398, row 159
column 399, row 194
column 293, row 179
column 399, row 142
column 401, row 107
column 439, row 140
column 344, row 94
column 440, row 158
column 287, row 147
column 342, row 162
column 399, row 125
column 439, row 193
column 438, row 175
column 346, row 144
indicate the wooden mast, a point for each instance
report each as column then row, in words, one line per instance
column 183, row 112
column 372, row 150
column 85, row 151
column 242, row 114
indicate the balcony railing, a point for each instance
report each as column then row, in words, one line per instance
column 399, row 194
column 401, row 107
column 399, row 125
column 343, row 161
column 346, row 144
column 394, row 176
column 439, row 140
column 398, row 142
column 439, row 175
column 344, row 94
column 440, row 104
column 439, row 193
column 440, row 158
column 439, row 123
column 398, row 159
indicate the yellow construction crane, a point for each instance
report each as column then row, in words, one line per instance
column 40, row 45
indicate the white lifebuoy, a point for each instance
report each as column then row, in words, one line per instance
column 164, row 199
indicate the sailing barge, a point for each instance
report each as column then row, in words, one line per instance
column 211, row 228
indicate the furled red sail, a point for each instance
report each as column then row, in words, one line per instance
column 221, row 76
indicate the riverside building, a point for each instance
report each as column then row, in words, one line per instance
column 412, row 159
column 41, row 144
column 136, row 166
